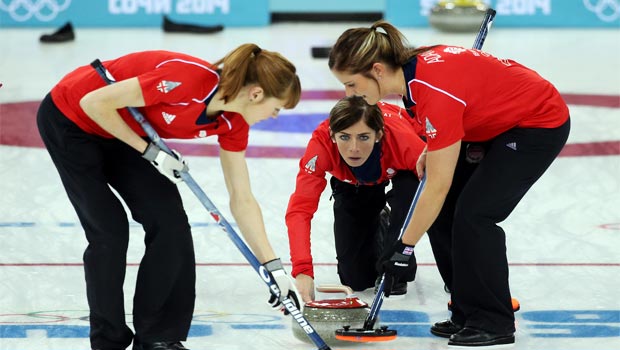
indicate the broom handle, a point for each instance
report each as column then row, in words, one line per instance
column 484, row 28
column 369, row 323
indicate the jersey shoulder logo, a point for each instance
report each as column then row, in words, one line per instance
column 168, row 117
column 387, row 115
column 454, row 50
column 167, row 86
column 310, row 166
column 431, row 132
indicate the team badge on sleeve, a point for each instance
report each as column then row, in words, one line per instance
column 310, row 166
column 431, row 132
column 167, row 86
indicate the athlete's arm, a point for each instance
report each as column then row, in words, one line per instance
column 101, row 106
column 440, row 165
column 305, row 286
column 244, row 206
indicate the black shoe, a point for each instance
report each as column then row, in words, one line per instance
column 445, row 329
column 173, row 27
column 477, row 337
column 65, row 33
column 177, row 346
column 159, row 346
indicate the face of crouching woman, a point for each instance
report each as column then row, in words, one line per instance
column 355, row 127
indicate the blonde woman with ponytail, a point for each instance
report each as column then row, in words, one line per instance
column 492, row 128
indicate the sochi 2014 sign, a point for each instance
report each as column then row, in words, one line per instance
column 132, row 13
column 520, row 13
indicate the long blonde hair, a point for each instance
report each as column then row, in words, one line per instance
column 249, row 64
column 357, row 49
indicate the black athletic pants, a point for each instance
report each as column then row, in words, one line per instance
column 164, row 296
column 357, row 233
column 468, row 245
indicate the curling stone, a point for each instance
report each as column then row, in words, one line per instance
column 330, row 314
column 457, row 15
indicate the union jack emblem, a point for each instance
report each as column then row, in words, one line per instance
column 167, row 86
column 431, row 132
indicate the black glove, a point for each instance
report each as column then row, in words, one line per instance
column 396, row 263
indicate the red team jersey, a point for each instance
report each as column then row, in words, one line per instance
column 400, row 149
column 466, row 94
column 176, row 89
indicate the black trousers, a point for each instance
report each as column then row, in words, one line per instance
column 468, row 245
column 89, row 167
column 359, row 236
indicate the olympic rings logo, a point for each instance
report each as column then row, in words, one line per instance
column 606, row 10
column 43, row 10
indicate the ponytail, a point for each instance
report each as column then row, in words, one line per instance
column 249, row 64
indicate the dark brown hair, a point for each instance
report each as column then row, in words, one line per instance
column 351, row 110
column 249, row 64
column 357, row 49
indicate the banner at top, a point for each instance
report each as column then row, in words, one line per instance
column 519, row 13
column 132, row 13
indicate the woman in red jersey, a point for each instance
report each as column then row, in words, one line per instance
column 364, row 147
column 96, row 145
column 492, row 128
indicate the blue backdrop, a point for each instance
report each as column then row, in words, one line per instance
column 238, row 13
column 519, row 13
column 132, row 13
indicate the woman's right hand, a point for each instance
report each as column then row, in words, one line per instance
column 305, row 286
